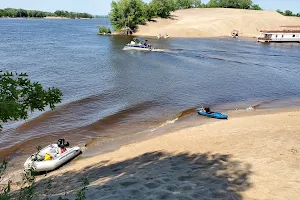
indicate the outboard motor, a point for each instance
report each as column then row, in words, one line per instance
column 62, row 143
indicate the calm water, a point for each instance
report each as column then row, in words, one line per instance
column 111, row 94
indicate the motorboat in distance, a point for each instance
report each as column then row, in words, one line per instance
column 138, row 44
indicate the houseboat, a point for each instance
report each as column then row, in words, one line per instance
column 286, row 35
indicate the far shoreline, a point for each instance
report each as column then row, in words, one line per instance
column 49, row 17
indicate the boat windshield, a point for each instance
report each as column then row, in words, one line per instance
column 139, row 40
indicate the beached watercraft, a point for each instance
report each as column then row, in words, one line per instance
column 210, row 114
column 58, row 155
column 138, row 44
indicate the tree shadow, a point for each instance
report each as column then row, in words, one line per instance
column 157, row 175
column 152, row 20
column 173, row 17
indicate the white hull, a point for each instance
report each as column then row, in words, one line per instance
column 279, row 36
column 49, row 165
column 278, row 40
column 137, row 48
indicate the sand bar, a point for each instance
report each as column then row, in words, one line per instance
column 216, row 22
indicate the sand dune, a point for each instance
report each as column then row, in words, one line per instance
column 249, row 157
column 216, row 22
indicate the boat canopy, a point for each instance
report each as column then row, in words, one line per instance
column 139, row 40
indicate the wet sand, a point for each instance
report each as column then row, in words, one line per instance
column 249, row 156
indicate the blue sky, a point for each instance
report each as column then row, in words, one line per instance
column 103, row 6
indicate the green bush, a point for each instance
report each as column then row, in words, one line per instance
column 104, row 30
column 288, row 13
column 185, row 4
column 255, row 7
column 239, row 4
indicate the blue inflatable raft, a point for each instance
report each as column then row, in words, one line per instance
column 216, row 115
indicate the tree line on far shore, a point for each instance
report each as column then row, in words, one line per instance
column 15, row 13
column 130, row 13
column 288, row 13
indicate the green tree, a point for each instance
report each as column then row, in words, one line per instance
column 104, row 30
column 240, row 4
column 298, row 14
column 288, row 13
column 279, row 11
column 40, row 14
column 197, row 4
column 10, row 12
column 185, row 4
column 1, row 13
column 255, row 7
column 127, row 13
column 161, row 8
column 18, row 95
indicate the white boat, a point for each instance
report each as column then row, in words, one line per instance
column 138, row 44
column 290, row 35
column 37, row 161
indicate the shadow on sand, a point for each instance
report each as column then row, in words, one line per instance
column 157, row 175
column 173, row 17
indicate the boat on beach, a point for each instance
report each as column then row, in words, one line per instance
column 51, row 157
column 208, row 113
column 292, row 34
column 138, row 44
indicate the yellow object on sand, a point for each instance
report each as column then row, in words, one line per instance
column 48, row 156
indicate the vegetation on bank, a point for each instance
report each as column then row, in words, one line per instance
column 15, row 13
column 239, row 4
column 130, row 13
column 288, row 13
column 104, row 31
column 101, row 16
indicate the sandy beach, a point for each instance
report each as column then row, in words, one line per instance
column 253, row 156
column 216, row 22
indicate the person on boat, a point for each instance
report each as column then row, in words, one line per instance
column 206, row 110
column 62, row 145
column 202, row 109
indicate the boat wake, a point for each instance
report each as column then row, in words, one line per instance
column 177, row 117
column 253, row 107
column 161, row 50
column 164, row 124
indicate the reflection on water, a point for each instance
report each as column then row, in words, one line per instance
column 110, row 93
